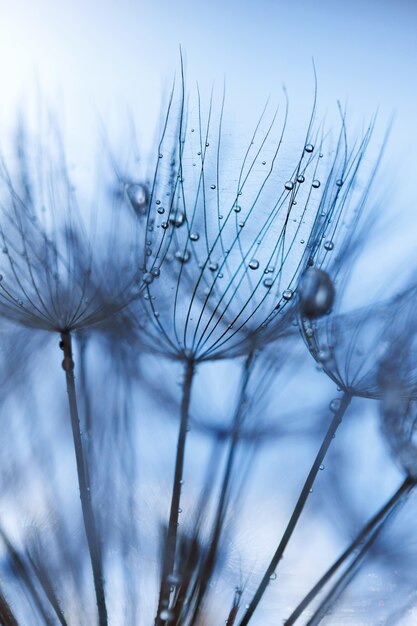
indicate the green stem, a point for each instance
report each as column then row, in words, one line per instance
column 171, row 537
column 338, row 416
column 93, row 542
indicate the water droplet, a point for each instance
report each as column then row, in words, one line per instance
column 174, row 579
column 316, row 183
column 156, row 271
column 273, row 576
column 164, row 225
column 166, row 615
column 323, row 355
column 237, row 208
column 212, row 186
column 321, row 468
column 254, row 264
column 263, row 162
column 300, row 178
column 213, row 267
column 161, row 210
column 316, row 293
column 309, row 147
column 328, row 245
column 148, row 278
column 288, row 294
column 339, row 182
column 158, row 202
column 334, row 405
column 183, row 256
column 177, row 219
column 289, row 185
column 138, row 197
column 268, row 282
column 194, row 236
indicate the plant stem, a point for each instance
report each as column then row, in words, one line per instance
column 338, row 416
column 93, row 541
column 347, row 576
column 171, row 537
column 378, row 518
column 210, row 559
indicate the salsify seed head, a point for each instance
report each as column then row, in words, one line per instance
column 64, row 264
column 229, row 234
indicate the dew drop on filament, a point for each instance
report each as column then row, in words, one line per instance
column 316, row 293
column 182, row 256
column 177, row 219
column 138, row 196
column 334, row 405
column 148, row 278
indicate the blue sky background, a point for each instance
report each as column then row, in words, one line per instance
column 100, row 57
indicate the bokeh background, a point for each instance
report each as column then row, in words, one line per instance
column 102, row 62
column 93, row 58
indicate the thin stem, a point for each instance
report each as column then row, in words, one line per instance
column 6, row 615
column 379, row 517
column 210, row 559
column 338, row 416
column 171, row 537
column 93, row 541
column 348, row 575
